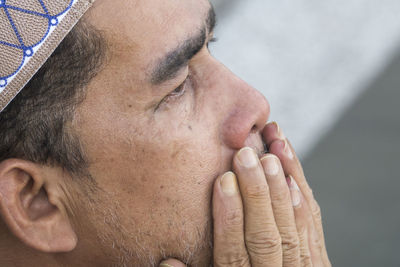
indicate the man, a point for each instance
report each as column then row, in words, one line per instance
column 118, row 151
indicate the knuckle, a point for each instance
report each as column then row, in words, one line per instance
column 316, row 211
column 282, row 196
column 257, row 192
column 291, row 243
column 305, row 259
column 291, row 261
column 302, row 234
column 240, row 260
column 263, row 243
column 233, row 217
column 316, row 242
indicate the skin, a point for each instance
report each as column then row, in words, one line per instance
column 170, row 157
column 157, row 151
column 261, row 220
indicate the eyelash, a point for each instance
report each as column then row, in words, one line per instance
column 181, row 89
column 178, row 92
column 212, row 40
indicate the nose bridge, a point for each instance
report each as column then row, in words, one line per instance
column 248, row 110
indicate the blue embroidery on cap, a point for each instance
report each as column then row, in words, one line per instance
column 3, row 82
column 28, row 50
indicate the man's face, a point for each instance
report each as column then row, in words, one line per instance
column 160, row 122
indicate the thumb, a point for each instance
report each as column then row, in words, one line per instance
column 171, row 263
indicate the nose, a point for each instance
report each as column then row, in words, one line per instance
column 247, row 114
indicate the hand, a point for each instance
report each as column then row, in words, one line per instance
column 261, row 218
column 308, row 216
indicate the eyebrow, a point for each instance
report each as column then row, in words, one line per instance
column 172, row 62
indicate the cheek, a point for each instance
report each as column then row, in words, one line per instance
column 171, row 184
column 180, row 169
column 171, row 166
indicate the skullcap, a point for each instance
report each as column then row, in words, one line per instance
column 30, row 30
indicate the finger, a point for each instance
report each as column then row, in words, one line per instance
column 292, row 166
column 172, row 263
column 229, row 244
column 262, row 237
column 305, row 219
column 312, row 248
column 279, row 145
column 283, row 209
column 272, row 135
column 305, row 255
column 272, row 132
column 300, row 213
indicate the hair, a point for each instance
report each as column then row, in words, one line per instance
column 36, row 125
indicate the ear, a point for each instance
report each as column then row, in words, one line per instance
column 32, row 207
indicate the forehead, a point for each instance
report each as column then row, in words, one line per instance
column 147, row 29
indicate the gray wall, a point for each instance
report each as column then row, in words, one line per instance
column 332, row 75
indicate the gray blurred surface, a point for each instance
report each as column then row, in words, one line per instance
column 354, row 171
column 310, row 58
column 330, row 71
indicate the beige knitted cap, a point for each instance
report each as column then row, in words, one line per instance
column 30, row 30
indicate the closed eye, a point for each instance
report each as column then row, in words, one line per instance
column 181, row 89
column 175, row 94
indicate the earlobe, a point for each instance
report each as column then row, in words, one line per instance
column 30, row 208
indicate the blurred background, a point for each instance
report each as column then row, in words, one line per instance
column 331, row 72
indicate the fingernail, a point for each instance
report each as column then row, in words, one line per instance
column 228, row 184
column 294, row 192
column 247, row 157
column 270, row 164
column 278, row 130
column 165, row 265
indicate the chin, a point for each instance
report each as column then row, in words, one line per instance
column 191, row 244
column 194, row 245
column 198, row 251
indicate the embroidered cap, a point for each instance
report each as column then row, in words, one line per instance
column 30, row 30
